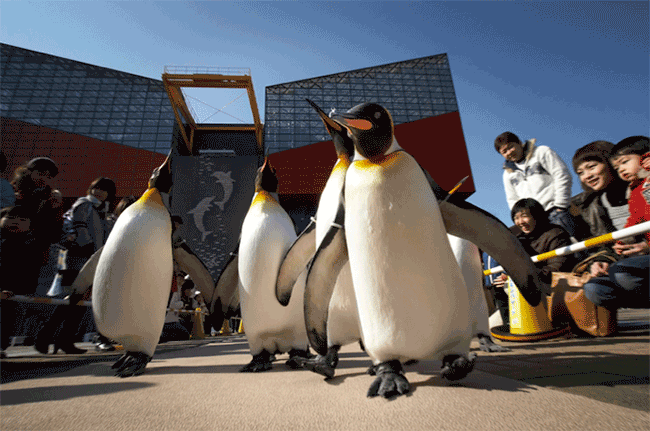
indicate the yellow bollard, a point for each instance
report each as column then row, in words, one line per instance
column 525, row 319
column 197, row 327
column 241, row 326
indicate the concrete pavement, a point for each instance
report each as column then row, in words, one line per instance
column 560, row 384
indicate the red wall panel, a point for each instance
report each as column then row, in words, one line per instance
column 80, row 159
column 437, row 143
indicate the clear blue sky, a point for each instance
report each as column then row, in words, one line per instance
column 566, row 73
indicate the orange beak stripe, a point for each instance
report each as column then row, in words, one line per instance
column 359, row 124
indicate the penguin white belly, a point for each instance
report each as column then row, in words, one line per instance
column 133, row 277
column 412, row 300
column 343, row 319
column 469, row 260
column 267, row 234
column 328, row 203
column 343, row 325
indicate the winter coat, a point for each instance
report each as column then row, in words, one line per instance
column 545, row 178
column 84, row 222
column 547, row 237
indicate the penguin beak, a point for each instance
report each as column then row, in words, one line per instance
column 350, row 122
column 161, row 178
column 342, row 142
column 331, row 125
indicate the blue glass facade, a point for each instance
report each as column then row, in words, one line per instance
column 84, row 99
column 411, row 90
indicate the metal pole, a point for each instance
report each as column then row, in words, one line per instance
column 591, row 242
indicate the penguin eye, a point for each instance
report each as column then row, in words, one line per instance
column 377, row 115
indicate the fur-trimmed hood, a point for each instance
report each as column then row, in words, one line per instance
column 529, row 148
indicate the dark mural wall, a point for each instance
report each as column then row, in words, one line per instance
column 212, row 193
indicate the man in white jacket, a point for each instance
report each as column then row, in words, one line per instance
column 536, row 172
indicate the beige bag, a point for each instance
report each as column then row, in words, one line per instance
column 568, row 303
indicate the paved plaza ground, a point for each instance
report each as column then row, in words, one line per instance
column 559, row 384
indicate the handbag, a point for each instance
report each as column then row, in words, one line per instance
column 568, row 303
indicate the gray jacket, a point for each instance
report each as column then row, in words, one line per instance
column 84, row 222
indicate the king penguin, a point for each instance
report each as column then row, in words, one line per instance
column 340, row 320
column 267, row 233
column 134, row 274
column 343, row 326
column 400, row 258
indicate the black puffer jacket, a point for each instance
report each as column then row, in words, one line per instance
column 592, row 219
column 547, row 237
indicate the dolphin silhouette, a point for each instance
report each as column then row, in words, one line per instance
column 226, row 183
column 198, row 212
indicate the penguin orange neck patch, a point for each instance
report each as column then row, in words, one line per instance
column 342, row 163
column 261, row 197
column 151, row 194
column 382, row 161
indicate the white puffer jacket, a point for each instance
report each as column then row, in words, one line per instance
column 543, row 177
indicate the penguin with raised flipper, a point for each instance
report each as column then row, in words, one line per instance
column 343, row 319
column 396, row 238
column 342, row 324
column 134, row 274
column 267, row 233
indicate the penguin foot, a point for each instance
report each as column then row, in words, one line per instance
column 325, row 365
column 456, row 367
column 131, row 364
column 486, row 344
column 261, row 362
column 390, row 381
column 297, row 358
column 372, row 370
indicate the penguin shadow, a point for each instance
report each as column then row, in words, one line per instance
column 474, row 380
column 348, row 361
column 32, row 395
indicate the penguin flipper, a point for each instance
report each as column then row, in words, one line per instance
column 190, row 263
column 469, row 222
column 85, row 277
column 225, row 288
column 294, row 263
column 330, row 257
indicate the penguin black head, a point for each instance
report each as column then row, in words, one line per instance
column 266, row 178
column 371, row 127
column 342, row 142
column 161, row 177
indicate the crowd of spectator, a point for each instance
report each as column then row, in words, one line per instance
column 616, row 195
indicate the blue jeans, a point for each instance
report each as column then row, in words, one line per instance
column 626, row 286
column 564, row 219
